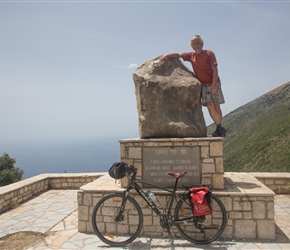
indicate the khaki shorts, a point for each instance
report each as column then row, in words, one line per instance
column 208, row 96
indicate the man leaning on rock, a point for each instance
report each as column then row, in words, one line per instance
column 204, row 65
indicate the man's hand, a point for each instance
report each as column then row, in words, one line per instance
column 172, row 55
column 214, row 88
column 163, row 58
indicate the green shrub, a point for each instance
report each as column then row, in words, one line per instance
column 8, row 173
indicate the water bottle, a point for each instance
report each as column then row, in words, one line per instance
column 153, row 197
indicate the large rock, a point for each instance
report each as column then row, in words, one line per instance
column 168, row 100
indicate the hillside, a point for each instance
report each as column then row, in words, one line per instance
column 258, row 137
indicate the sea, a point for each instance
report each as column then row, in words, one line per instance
column 63, row 156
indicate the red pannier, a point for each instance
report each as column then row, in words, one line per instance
column 198, row 197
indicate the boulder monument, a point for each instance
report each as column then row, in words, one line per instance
column 168, row 100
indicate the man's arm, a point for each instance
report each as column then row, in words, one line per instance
column 171, row 55
column 214, row 78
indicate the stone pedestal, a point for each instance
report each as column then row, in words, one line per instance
column 248, row 202
column 202, row 158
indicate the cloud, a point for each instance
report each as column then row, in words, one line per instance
column 132, row 65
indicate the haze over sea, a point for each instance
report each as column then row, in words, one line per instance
column 75, row 156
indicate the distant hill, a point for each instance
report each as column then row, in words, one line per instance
column 258, row 137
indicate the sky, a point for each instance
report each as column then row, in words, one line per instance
column 66, row 66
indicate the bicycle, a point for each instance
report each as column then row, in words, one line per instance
column 118, row 219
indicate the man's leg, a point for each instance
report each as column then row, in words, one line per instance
column 212, row 101
column 219, row 111
column 215, row 113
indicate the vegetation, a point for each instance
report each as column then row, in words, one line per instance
column 20, row 240
column 8, row 173
column 259, row 134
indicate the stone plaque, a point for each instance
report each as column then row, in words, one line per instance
column 157, row 161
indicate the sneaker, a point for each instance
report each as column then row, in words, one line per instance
column 222, row 132
column 215, row 133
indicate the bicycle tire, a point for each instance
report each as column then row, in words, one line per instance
column 117, row 233
column 212, row 225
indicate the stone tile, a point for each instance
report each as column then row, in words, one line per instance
column 271, row 246
column 284, row 246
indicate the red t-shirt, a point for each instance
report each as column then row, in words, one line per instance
column 202, row 64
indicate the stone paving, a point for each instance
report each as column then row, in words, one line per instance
column 55, row 213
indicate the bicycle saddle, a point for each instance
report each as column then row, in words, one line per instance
column 177, row 175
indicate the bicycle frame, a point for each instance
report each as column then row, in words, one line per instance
column 134, row 183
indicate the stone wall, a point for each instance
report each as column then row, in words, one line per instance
column 279, row 183
column 249, row 217
column 210, row 148
column 14, row 194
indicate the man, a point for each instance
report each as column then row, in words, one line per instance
column 204, row 65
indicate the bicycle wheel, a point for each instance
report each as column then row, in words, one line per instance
column 201, row 229
column 106, row 226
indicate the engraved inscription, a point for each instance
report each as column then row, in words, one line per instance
column 157, row 161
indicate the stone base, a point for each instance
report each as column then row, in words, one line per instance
column 202, row 158
column 249, row 204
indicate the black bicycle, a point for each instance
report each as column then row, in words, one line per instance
column 118, row 219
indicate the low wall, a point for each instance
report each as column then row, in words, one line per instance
column 14, row 194
column 279, row 183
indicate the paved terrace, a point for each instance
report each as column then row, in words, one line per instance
column 54, row 212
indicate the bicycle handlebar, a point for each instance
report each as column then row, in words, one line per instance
column 131, row 169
